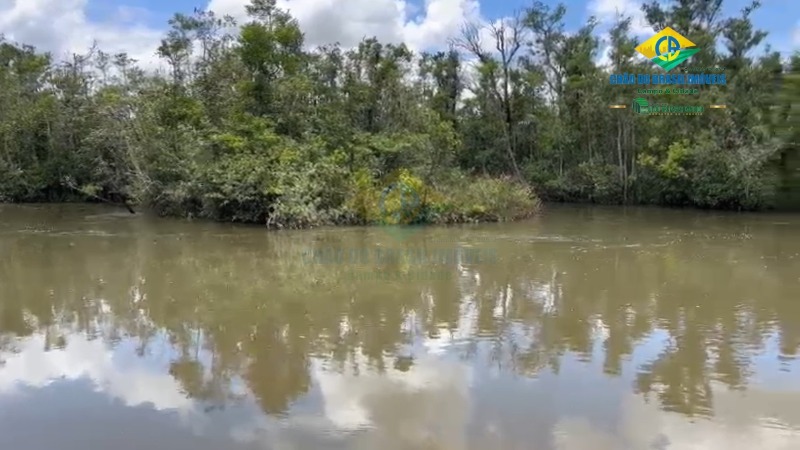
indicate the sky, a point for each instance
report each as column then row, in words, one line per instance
column 136, row 26
column 443, row 396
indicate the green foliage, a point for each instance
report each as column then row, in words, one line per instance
column 364, row 197
column 467, row 199
column 664, row 180
column 708, row 177
column 398, row 199
column 249, row 126
column 404, row 199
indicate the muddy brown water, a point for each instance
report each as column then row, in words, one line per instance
column 586, row 328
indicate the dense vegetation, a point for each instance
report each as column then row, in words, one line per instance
column 250, row 125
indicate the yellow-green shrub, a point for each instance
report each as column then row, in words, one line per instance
column 487, row 199
column 399, row 199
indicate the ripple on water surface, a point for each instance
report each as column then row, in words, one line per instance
column 591, row 329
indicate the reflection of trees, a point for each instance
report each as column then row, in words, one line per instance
column 239, row 304
column 279, row 368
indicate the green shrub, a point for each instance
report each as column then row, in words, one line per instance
column 587, row 182
column 485, row 199
column 458, row 199
column 705, row 175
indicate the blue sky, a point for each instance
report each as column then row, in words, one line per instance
column 136, row 26
column 780, row 17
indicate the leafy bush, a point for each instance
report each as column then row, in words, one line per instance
column 404, row 198
column 588, row 182
column 665, row 181
column 399, row 199
column 705, row 175
column 485, row 199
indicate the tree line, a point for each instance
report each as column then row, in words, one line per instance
column 249, row 124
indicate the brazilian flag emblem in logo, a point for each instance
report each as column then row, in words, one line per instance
column 667, row 49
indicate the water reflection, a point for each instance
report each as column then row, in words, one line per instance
column 592, row 328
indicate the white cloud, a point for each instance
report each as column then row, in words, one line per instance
column 392, row 409
column 351, row 401
column 134, row 384
column 131, row 13
column 351, row 397
column 604, row 56
column 760, row 419
column 432, row 404
column 62, row 27
column 403, row 409
column 348, row 21
column 607, row 11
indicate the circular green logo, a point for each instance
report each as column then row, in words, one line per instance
column 673, row 48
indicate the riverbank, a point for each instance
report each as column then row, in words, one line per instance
column 361, row 199
column 263, row 128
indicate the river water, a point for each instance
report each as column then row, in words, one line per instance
column 586, row 328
